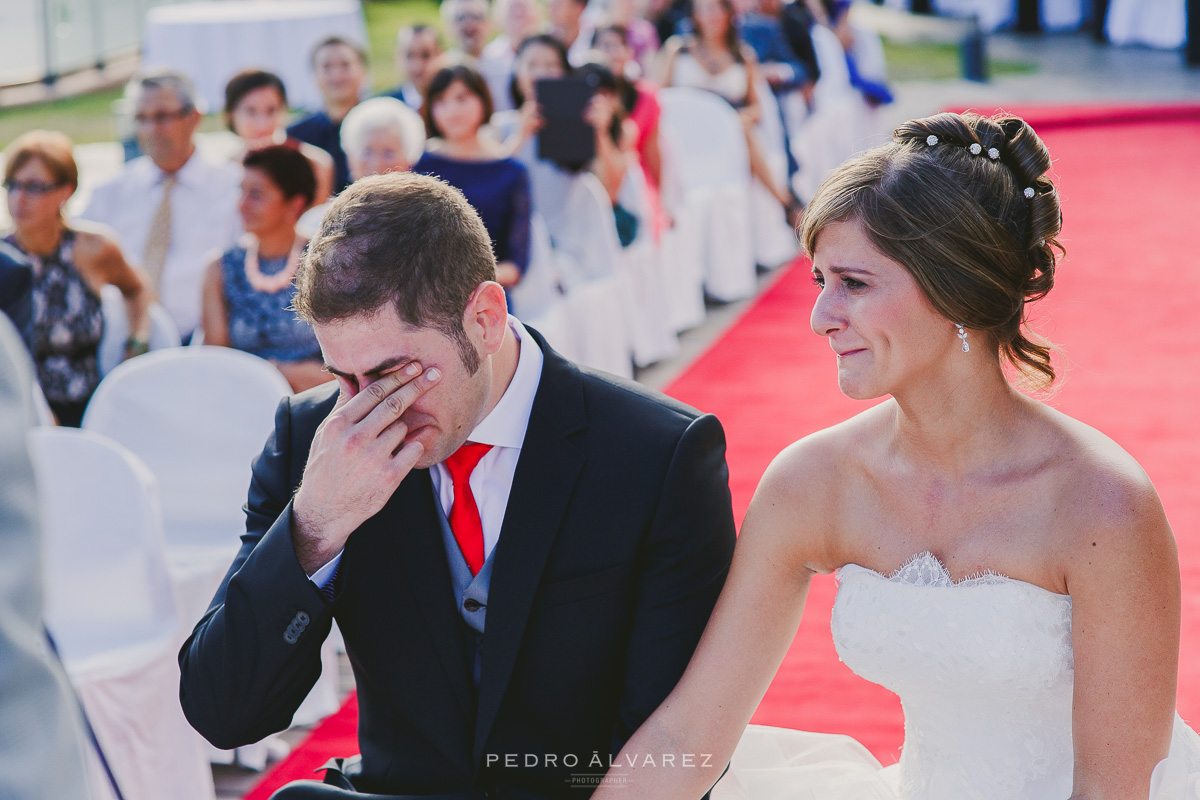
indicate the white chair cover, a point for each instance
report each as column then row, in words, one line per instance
column 642, row 280
column 42, row 414
column 1156, row 23
column 833, row 131
column 588, row 272
column 197, row 416
column 163, row 332
column 112, row 612
column 774, row 240
column 537, row 300
column 1056, row 15
column 714, row 170
column 681, row 257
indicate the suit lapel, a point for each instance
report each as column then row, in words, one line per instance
column 409, row 520
column 545, row 478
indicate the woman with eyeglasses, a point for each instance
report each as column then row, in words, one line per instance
column 71, row 261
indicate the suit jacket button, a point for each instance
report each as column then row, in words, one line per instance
column 472, row 605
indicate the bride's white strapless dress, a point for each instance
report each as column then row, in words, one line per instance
column 984, row 670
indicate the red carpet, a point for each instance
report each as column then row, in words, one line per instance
column 1124, row 313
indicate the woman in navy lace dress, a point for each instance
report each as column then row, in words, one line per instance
column 456, row 107
column 248, row 291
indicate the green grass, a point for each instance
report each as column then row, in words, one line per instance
column 88, row 118
column 384, row 18
column 910, row 61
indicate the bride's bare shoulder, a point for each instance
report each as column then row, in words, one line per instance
column 800, row 494
column 1106, row 497
column 826, row 456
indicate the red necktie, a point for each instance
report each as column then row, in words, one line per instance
column 464, row 514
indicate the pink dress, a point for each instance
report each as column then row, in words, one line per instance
column 645, row 115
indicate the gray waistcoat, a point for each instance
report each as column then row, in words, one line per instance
column 470, row 595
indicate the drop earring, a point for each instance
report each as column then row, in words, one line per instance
column 962, row 334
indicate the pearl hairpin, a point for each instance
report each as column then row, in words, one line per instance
column 976, row 148
column 1029, row 192
column 931, row 140
column 993, row 153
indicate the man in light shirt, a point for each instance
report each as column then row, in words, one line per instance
column 520, row 553
column 173, row 209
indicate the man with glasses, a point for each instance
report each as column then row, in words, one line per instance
column 172, row 207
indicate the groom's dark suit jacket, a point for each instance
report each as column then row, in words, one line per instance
column 615, row 544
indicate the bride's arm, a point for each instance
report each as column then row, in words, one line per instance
column 698, row 726
column 1123, row 578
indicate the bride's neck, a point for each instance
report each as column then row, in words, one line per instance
column 960, row 421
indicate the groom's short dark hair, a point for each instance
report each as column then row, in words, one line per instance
column 407, row 240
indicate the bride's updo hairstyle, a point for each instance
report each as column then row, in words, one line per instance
column 963, row 202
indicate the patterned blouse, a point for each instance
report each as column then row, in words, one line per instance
column 262, row 323
column 67, row 325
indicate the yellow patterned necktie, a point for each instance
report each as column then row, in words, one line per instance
column 159, row 240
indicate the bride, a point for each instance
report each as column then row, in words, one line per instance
column 1005, row 569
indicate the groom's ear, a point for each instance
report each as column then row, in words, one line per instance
column 486, row 316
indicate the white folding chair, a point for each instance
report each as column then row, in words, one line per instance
column 163, row 332
column 713, row 166
column 537, row 299
column 112, row 611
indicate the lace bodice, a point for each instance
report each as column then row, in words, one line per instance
column 985, row 673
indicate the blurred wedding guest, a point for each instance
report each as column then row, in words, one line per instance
column 41, row 732
column 173, row 206
column 541, row 56
column 71, row 263
column 616, row 138
column 640, row 35
column 517, row 20
column 669, row 17
column 378, row 135
column 255, row 109
column 340, row 69
column 466, row 22
column 16, row 289
column 714, row 58
column 571, row 26
column 248, row 291
column 639, row 97
column 456, row 107
column 382, row 135
column 417, row 50
column 780, row 33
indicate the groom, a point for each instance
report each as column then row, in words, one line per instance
column 520, row 553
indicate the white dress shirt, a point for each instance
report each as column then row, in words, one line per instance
column 204, row 223
column 504, row 428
